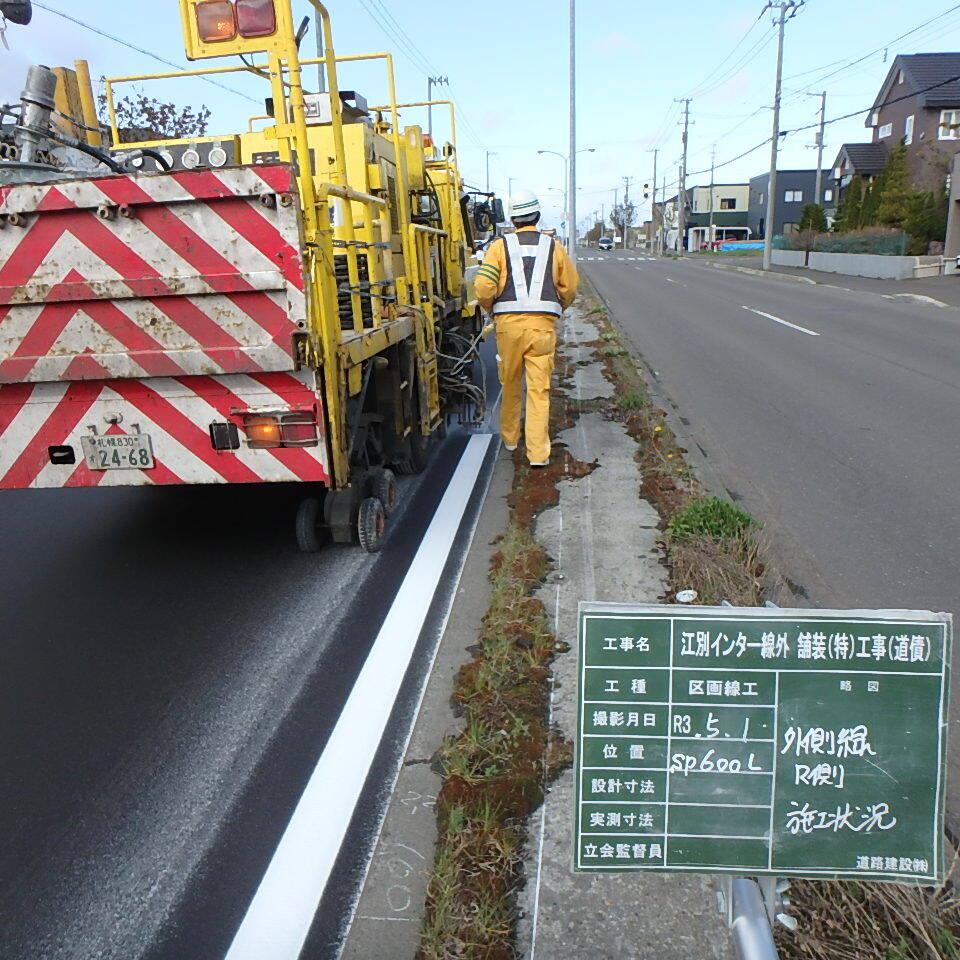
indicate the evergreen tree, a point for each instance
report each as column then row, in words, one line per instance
column 813, row 218
column 849, row 214
column 893, row 197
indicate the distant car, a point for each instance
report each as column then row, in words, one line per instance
column 605, row 243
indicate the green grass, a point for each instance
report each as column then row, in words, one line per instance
column 711, row 517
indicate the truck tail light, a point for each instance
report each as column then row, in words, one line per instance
column 256, row 18
column 295, row 428
column 216, row 21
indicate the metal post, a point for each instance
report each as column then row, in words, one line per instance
column 626, row 201
column 713, row 162
column 750, row 925
column 653, row 205
column 572, row 153
column 785, row 7
column 682, row 186
column 321, row 80
column 818, row 194
column 490, row 153
column 431, row 83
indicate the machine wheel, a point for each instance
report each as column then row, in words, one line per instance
column 418, row 454
column 309, row 525
column 384, row 488
column 371, row 524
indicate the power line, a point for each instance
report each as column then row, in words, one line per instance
column 696, row 90
column 746, row 59
column 867, row 56
column 146, row 53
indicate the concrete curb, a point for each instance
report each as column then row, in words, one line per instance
column 754, row 272
column 916, row 298
column 772, row 274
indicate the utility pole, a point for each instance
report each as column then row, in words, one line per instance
column 321, row 83
column 572, row 166
column 431, row 83
column 490, row 153
column 626, row 201
column 663, row 212
column 787, row 10
column 682, row 193
column 653, row 203
column 817, row 191
column 713, row 163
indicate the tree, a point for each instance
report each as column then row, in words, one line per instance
column 144, row 118
column 893, row 194
column 926, row 219
column 850, row 210
column 813, row 218
column 623, row 216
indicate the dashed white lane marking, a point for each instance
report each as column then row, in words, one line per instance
column 281, row 912
column 786, row 323
column 669, row 280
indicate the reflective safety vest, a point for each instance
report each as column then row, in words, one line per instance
column 529, row 286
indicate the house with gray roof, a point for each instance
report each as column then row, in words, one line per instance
column 918, row 105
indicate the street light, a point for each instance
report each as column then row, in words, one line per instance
column 571, row 230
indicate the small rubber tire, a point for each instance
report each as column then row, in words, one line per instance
column 309, row 525
column 384, row 488
column 371, row 524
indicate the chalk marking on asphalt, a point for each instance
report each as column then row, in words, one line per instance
column 282, row 910
column 786, row 323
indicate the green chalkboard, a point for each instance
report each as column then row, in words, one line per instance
column 762, row 741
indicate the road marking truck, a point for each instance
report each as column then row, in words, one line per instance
column 288, row 303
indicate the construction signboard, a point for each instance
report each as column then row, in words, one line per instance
column 762, row 741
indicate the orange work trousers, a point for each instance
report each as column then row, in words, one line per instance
column 525, row 346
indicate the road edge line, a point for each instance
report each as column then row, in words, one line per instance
column 282, row 910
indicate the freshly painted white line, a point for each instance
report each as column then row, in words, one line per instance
column 786, row 323
column 669, row 280
column 281, row 912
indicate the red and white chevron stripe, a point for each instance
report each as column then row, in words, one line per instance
column 184, row 273
column 175, row 412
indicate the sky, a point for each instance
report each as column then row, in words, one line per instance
column 507, row 66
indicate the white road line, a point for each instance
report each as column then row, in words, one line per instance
column 786, row 323
column 669, row 280
column 281, row 912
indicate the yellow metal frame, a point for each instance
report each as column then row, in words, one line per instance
column 334, row 350
column 428, row 103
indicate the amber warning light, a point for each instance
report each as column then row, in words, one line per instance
column 219, row 20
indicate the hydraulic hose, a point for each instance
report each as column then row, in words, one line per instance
column 83, row 147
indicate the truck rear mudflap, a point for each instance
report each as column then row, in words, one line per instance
column 240, row 428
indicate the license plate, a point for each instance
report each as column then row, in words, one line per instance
column 122, row 451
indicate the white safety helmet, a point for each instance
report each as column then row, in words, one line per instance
column 523, row 203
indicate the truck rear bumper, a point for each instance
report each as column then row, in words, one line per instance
column 41, row 426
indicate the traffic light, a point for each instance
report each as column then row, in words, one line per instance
column 646, row 191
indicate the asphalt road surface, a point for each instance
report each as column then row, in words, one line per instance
column 171, row 670
column 830, row 415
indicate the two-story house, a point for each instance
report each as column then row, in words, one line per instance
column 795, row 189
column 918, row 105
column 721, row 215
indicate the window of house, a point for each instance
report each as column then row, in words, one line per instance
column 827, row 196
column 908, row 130
column 884, row 131
column 874, row 118
column 789, row 228
column 949, row 120
column 793, row 196
column 837, row 173
column 728, row 203
column 900, row 77
column 763, row 198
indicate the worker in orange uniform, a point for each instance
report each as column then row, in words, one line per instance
column 525, row 281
